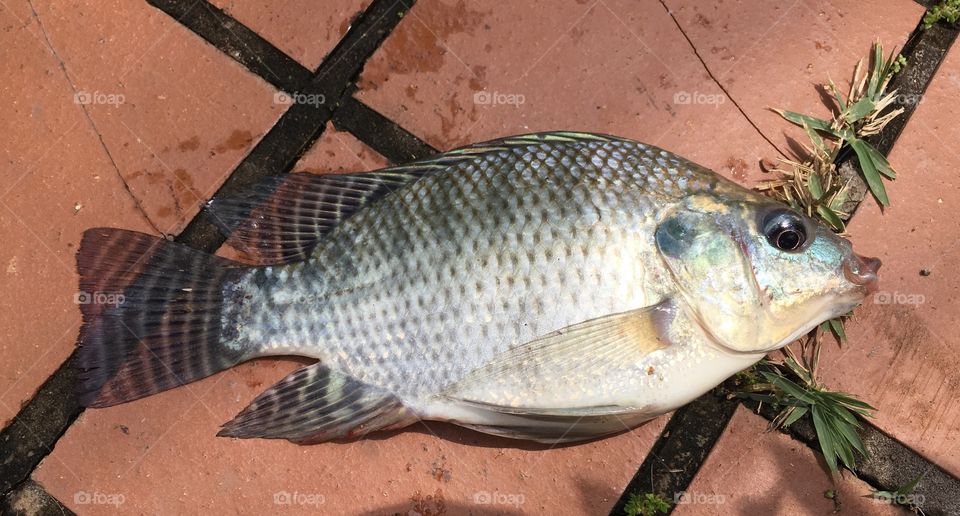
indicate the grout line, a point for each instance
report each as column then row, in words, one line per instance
column 31, row 498
column 35, row 430
column 925, row 51
column 303, row 123
column 53, row 408
column 387, row 138
column 237, row 41
column 681, row 450
column 380, row 133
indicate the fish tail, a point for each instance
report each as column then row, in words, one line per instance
column 153, row 316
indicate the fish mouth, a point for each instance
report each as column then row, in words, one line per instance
column 862, row 271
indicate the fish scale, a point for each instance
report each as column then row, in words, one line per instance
column 486, row 226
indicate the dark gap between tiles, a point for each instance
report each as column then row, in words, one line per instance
column 34, row 431
column 302, row 124
column 678, row 444
column 379, row 132
column 30, row 498
column 237, row 41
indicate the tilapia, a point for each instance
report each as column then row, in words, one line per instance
column 552, row 287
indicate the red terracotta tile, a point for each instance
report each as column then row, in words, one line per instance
column 752, row 471
column 902, row 355
column 175, row 113
column 56, row 182
column 454, row 73
column 774, row 54
column 306, row 30
column 339, row 152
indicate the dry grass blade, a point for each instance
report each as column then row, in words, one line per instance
column 812, row 184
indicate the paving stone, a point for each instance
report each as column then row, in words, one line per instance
column 175, row 113
column 306, row 30
column 775, row 54
column 452, row 73
column 752, row 471
column 139, row 104
column 455, row 73
column 339, row 152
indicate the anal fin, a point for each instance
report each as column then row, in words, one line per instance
column 315, row 404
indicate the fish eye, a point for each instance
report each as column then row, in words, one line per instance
column 784, row 230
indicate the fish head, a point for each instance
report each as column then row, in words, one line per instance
column 756, row 274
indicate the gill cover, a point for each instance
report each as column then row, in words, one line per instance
column 702, row 248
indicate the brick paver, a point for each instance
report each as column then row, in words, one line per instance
column 752, row 471
column 305, row 30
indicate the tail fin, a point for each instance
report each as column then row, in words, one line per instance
column 152, row 316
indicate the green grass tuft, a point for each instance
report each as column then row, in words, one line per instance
column 647, row 504
column 948, row 11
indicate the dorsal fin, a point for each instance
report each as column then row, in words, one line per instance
column 280, row 220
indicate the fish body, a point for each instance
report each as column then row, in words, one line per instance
column 553, row 287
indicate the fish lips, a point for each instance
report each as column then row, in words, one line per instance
column 862, row 271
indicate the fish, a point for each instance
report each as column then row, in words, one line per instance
column 552, row 287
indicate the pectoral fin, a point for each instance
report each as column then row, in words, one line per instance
column 561, row 370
